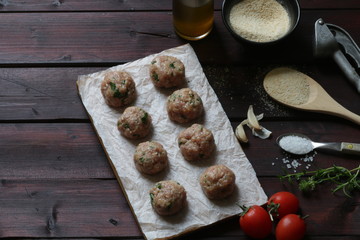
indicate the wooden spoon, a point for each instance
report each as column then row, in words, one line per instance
column 297, row 90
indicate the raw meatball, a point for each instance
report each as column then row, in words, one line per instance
column 150, row 157
column 118, row 89
column 134, row 123
column 217, row 182
column 167, row 71
column 196, row 142
column 167, row 197
column 184, row 105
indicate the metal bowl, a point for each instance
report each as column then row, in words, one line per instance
column 291, row 6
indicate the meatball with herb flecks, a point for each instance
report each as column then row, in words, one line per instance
column 118, row 89
column 134, row 123
column 167, row 71
column 167, row 197
column 150, row 157
column 184, row 105
column 217, row 182
column 196, row 142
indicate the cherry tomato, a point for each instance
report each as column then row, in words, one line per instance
column 255, row 222
column 282, row 203
column 290, row 227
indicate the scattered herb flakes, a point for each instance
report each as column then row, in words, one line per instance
column 169, row 206
column 155, row 76
column 144, row 118
column 112, row 86
column 173, row 97
column 118, row 94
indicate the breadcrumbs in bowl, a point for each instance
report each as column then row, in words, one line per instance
column 260, row 22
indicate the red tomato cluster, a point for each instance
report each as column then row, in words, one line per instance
column 257, row 222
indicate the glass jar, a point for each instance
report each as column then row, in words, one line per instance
column 193, row 19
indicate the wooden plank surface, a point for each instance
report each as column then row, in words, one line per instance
column 136, row 5
column 73, row 151
column 50, row 93
column 61, row 208
column 46, row 208
column 117, row 37
column 43, row 150
column 55, row 180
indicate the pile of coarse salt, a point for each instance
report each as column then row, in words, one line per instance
column 296, row 144
column 294, row 163
column 299, row 146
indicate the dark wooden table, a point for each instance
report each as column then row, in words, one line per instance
column 56, row 181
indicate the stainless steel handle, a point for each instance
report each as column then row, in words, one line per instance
column 344, row 147
column 347, row 68
column 350, row 148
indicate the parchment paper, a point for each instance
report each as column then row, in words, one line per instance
column 199, row 211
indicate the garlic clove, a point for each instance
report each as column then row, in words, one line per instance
column 240, row 133
column 263, row 133
column 253, row 121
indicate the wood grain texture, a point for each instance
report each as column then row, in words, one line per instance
column 61, row 208
column 136, row 5
column 43, row 150
column 55, row 179
column 72, row 150
column 116, row 37
column 67, row 208
column 51, row 93
column 84, row 5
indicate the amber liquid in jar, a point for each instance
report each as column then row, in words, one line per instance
column 193, row 19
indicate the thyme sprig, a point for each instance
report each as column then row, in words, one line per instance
column 343, row 178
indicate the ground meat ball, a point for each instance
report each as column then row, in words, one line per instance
column 184, row 105
column 196, row 142
column 150, row 157
column 134, row 123
column 167, row 71
column 118, row 89
column 217, row 182
column 167, row 197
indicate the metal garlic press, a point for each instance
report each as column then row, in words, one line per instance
column 333, row 41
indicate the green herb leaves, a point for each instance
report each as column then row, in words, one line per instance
column 117, row 93
column 144, row 118
column 343, row 178
column 151, row 198
column 112, row 86
column 155, row 76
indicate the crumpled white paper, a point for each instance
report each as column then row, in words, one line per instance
column 199, row 211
